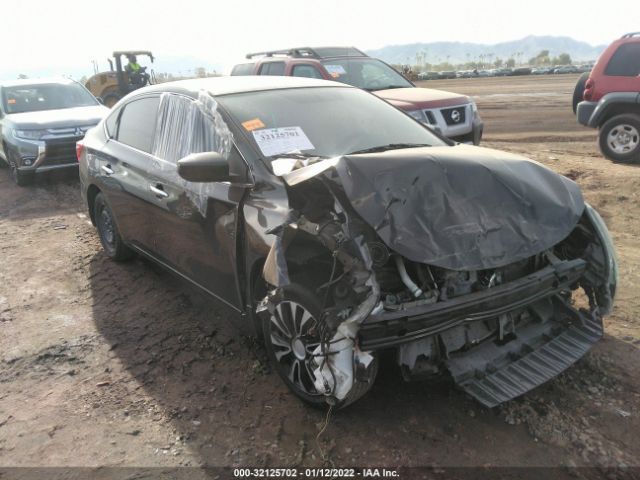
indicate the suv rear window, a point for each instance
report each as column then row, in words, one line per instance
column 272, row 68
column 625, row 62
column 243, row 69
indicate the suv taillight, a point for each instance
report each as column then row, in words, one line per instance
column 588, row 89
column 79, row 150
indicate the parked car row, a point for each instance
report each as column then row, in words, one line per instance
column 504, row 72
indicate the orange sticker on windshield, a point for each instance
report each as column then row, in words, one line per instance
column 11, row 101
column 335, row 75
column 251, row 125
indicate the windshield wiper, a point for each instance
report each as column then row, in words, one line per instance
column 390, row 146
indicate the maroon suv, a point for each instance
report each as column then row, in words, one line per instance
column 611, row 99
column 453, row 115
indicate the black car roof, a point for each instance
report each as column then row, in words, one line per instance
column 236, row 84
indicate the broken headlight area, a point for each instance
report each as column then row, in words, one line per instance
column 498, row 332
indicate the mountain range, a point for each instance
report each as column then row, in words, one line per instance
column 461, row 52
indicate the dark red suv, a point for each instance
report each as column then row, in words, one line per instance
column 611, row 99
column 453, row 115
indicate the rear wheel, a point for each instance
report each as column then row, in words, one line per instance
column 110, row 99
column 291, row 335
column 578, row 91
column 619, row 138
column 108, row 231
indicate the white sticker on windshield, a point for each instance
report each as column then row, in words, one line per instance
column 275, row 141
column 335, row 70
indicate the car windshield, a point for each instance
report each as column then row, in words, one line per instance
column 45, row 96
column 324, row 122
column 366, row 73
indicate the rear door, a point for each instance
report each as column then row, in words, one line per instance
column 123, row 165
column 196, row 223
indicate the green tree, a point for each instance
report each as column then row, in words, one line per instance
column 564, row 59
column 541, row 59
column 498, row 62
column 511, row 63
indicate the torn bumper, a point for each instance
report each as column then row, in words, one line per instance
column 389, row 329
column 494, row 374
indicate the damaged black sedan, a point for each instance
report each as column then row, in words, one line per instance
column 338, row 227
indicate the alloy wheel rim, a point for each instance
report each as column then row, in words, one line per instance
column 292, row 335
column 623, row 138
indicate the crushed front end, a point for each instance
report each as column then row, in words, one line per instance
column 500, row 317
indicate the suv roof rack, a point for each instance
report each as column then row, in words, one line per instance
column 308, row 52
column 629, row 35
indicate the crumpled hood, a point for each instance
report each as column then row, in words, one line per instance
column 461, row 207
column 64, row 117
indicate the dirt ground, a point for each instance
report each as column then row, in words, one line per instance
column 105, row 364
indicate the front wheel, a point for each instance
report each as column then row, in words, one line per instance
column 21, row 178
column 110, row 100
column 619, row 138
column 110, row 238
column 291, row 335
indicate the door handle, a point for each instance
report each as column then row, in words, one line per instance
column 158, row 191
column 106, row 169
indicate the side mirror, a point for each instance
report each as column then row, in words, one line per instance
column 204, row 167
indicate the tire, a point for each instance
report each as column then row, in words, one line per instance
column 285, row 350
column 22, row 179
column 110, row 100
column 110, row 238
column 619, row 138
column 578, row 91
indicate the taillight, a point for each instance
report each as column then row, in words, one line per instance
column 589, row 86
column 79, row 150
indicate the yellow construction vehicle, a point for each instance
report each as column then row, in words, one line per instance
column 111, row 86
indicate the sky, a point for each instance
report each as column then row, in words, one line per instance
column 64, row 36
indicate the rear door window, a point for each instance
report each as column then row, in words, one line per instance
column 272, row 68
column 138, row 123
column 242, row 69
column 625, row 62
column 308, row 71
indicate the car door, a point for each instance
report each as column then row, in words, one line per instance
column 123, row 165
column 195, row 223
